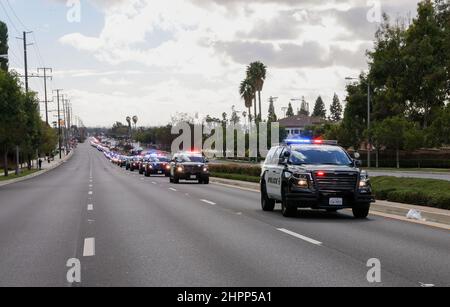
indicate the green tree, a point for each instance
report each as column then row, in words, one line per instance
column 319, row 108
column 438, row 133
column 13, row 116
column 427, row 84
column 272, row 117
column 290, row 111
column 336, row 109
column 387, row 67
column 256, row 73
column 48, row 139
column 3, row 45
column 247, row 92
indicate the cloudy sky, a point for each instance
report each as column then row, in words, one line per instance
column 153, row 58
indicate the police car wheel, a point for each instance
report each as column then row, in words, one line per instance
column 361, row 212
column 267, row 204
column 147, row 174
column 287, row 209
column 176, row 180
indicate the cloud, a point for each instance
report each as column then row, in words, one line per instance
column 198, row 50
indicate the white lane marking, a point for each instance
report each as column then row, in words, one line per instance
column 426, row 285
column 90, row 185
column 299, row 236
column 239, row 213
column 89, row 247
column 172, row 189
column 208, row 202
column 90, row 193
column 90, row 207
column 154, row 182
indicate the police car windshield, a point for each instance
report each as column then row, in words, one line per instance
column 318, row 154
column 192, row 158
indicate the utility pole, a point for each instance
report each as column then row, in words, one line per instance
column 45, row 69
column 369, row 145
column 25, row 56
column 59, row 122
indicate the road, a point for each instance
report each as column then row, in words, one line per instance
column 147, row 232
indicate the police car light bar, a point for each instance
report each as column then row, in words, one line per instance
column 309, row 141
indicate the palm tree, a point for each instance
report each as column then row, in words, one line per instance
column 247, row 92
column 135, row 120
column 256, row 73
column 129, row 125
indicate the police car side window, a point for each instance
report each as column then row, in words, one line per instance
column 276, row 156
column 269, row 158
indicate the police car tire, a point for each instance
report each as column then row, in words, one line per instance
column 147, row 174
column 141, row 172
column 176, row 180
column 267, row 204
column 361, row 212
column 286, row 209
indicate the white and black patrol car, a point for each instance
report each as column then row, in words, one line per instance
column 315, row 174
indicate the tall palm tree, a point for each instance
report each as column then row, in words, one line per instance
column 128, row 119
column 135, row 120
column 256, row 72
column 247, row 92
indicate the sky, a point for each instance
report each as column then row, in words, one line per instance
column 153, row 58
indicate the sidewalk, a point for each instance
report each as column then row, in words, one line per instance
column 45, row 168
column 433, row 216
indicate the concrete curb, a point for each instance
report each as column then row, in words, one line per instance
column 59, row 163
column 433, row 216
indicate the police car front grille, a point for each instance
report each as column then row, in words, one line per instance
column 336, row 182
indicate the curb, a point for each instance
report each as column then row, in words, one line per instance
column 433, row 216
column 63, row 160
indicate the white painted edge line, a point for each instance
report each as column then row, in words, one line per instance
column 154, row 182
column 90, row 207
column 172, row 189
column 208, row 202
column 299, row 236
column 90, row 193
column 89, row 247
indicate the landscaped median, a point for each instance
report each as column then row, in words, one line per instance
column 23, row 173
column 415, row 191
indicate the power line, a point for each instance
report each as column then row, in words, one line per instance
column 9, row 18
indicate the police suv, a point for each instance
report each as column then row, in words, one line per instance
column 315, row 174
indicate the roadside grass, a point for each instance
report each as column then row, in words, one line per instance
column 415, row 191
column 422, row 170
column 23, row 173
column 232, row 176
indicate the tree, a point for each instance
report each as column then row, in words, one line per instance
column 336, row 109
column 387, row 67
column 247, row 92
column 272, row 117
column 438, row 133
column 48, row 139
column 319, row 108
column 12, row 117
column 427, row 84
column 290, row 111
column 304, row 108
column 256, row 73
column 354, row 123
column 3, row 45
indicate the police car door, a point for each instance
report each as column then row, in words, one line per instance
column 274, row 175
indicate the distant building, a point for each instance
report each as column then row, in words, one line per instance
column 296, row 125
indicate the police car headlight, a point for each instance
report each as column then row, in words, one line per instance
column 363, row 183
column 179, row 169
column 302, row 183
column 205, row 169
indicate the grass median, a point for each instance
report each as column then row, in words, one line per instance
column 414, row 191
column 23, row 173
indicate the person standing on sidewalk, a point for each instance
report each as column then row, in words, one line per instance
column 40, row 163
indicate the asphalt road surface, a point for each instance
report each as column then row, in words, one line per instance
column 128, row 230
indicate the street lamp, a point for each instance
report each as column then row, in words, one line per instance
column 369, row 149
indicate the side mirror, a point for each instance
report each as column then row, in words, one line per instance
column 357, row 155
column 206, row 161
column 282, row 161
column 358, row 163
